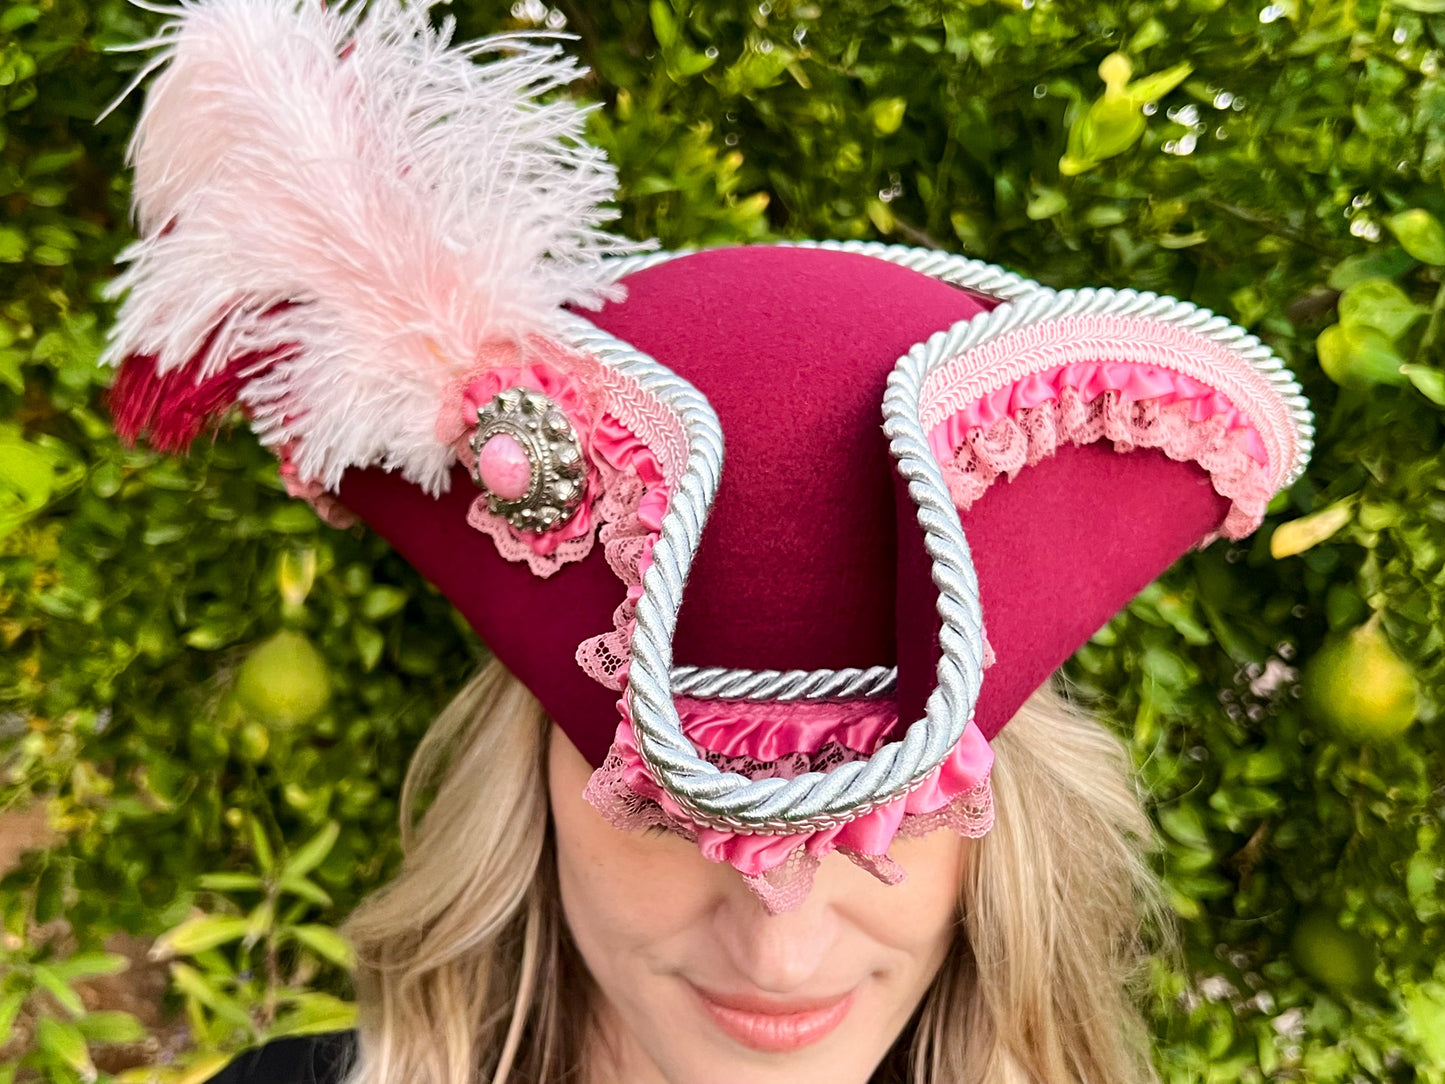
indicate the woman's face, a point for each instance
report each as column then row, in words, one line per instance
column 700, row 985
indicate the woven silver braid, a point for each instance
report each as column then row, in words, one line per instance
column 946, row 266
column 716, row 683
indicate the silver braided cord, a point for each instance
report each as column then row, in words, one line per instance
column 717, row 683
column 620, row 267
column 816, row 800
column 961, row 271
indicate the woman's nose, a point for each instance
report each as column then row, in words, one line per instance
column 783, row 953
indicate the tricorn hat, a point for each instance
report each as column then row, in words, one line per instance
column 780, row 535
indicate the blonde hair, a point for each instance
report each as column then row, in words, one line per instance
column 464, row 957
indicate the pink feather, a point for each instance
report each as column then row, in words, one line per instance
column 347, row 192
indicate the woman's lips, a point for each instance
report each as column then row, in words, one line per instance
column 775, row 1027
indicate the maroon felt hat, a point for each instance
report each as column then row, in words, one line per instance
column 779, row 535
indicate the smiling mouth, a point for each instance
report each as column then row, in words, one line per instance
column 775, row 1027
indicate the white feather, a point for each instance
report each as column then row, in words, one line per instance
column 412, row 204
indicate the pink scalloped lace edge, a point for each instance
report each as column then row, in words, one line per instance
column 1135, row 406
column 1011, row 359
column 772, row 740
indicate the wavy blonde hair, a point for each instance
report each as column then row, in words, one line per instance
column 464, row 957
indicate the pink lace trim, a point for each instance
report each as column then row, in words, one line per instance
column 771, row 740
column 1110, row 343
column 1035, row 433
column 634, row 499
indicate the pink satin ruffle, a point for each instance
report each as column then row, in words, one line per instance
column 1130, row 382
column 770, row 730
column 771, row 740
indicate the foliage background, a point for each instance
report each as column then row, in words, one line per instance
column 1261, row 181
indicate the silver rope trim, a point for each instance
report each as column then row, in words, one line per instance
column 718, row 683
column 961, row 271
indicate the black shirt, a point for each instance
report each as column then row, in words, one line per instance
column 306, row 1059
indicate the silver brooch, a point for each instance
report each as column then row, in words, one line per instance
column 529, row 463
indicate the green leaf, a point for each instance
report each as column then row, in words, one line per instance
column 1264, row 766
column 13, row 245
column 260, row 922
column 1045, row 203
column 296, row 574
column 111, row 1027
column 1308, row 531
column 84, row 965
column 58, row 988
column 1428, row 382
column 198, row 934
column 12, row 363
column 1385, row 262
column 65, row 1042
column 1358, row 357
column 294, row 517
column 1151, row 88
column 229, row 882
column 9, row 1010
column 27, row 478
column 1425, row 1010
column 690, row 62
column 310, row 1013
column 1183, row 823
column 664, row 23
column 1422, row 881
column 326, row 943
column 1420, row 234
column 261, row 847
column 16, row 16
column 1109, row 128
column 887, row 115
column 307, row 889
column 199, row 1071
column 382, row 601
column 193, row 984
column 1379, row 304
column 369, row 645
column 313, row 852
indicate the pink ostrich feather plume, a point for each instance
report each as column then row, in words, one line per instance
column 347, row 191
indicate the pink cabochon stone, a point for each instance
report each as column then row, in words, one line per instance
column 503, row 467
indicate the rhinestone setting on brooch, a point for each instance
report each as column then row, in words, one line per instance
column 556, row 469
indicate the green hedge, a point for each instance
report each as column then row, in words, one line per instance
column 1280, row 163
